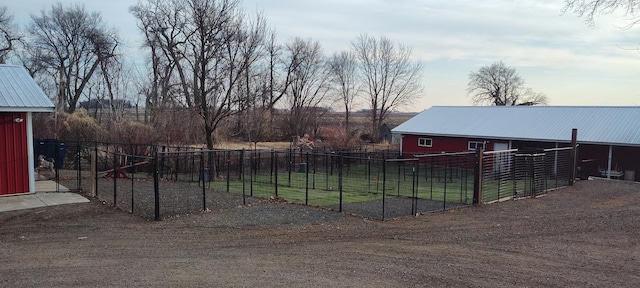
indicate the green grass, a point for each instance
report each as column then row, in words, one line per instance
column 356, row 186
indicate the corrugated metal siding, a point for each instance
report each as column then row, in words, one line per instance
column 14, row 163
column 610, row 125
column 20, row 93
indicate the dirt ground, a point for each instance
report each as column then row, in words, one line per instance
column 583, row 236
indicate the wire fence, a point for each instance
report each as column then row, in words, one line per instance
column 162, row 181
column 521, row 173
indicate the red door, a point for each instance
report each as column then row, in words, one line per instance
column 14, row 157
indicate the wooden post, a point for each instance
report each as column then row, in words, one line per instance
column 94, row 180
column 477, row 181
column 574, row 155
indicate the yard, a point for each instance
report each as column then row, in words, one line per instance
column 582, row 236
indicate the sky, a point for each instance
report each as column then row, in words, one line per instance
column 558, row 54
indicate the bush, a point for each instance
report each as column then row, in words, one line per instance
column 78, row 126
column 337, row 137
column 131, row 132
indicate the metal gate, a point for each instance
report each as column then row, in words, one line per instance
column 530, row 177
column 525, row 172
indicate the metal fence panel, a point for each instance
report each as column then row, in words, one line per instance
column 162, row 181
column 512, row 174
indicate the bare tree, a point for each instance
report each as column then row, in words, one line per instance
column 70, row 44
column 589, row 9
column 309, row 86
column 343, row 70
column 280, row 63
column 116, row 81
column 162, row 87
column 9, row 34
column 252, row 121
column 210, row 44
column 389, row 77
column 500, row 85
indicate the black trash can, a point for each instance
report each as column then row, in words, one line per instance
column 302, row 168
column 50, row 149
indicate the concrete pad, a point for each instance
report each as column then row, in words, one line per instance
column 50, row 199
column 18, row 202
column 58, row 195
column 50, row 186
column 9, row 203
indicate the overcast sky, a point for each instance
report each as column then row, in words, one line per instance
column 556, row 54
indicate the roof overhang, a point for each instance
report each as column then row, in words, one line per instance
column 517, row 139
column 26, row 109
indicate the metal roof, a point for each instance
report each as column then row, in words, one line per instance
column 20, row 93
column 596, row 125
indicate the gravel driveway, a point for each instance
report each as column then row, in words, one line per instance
column 582, row 236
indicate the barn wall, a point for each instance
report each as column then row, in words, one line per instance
column 590, row 157
column 441, row 144
column 456, row 144
column 14, row 156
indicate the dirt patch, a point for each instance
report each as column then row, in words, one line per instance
column 583, row 236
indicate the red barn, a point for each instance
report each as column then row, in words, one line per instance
column 20, row 96
column 609, row 137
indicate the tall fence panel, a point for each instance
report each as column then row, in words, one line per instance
column 446, row 179
column 512, row 174
column 198, row 180
column 500, row 170
column 361, row 185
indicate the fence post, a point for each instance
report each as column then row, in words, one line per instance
column 514, row 174
column 164, row 149
column 369, row 170
column 241, row 163
column 106, row 155
column 384, row 182
column 327, row 158
column 94, row 171
column 431, row 160
column 257, row 161
column 398, row 182
column 271, row 166
column 79, row 166
column 228, row 169
column 477, row 182
column 315, row 161
column 254, row 171
column 115, row 177
column 444, row 191
column 204, row 175
column 133, row 171
column 340, row 179
column 275, row 171
column 414, row 189
column 574, row 155
column 306, row 171
column 289, row 164
column 156, row 184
